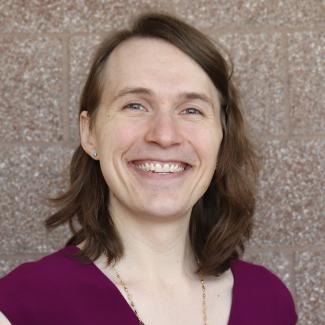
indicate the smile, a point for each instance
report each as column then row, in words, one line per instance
column 160, row 167
column 152, row 169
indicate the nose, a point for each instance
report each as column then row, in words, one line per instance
column 163, row 130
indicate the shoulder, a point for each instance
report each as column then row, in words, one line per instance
column 258, row 277
column 28, row 283
column 35, row 272
column 261, row 287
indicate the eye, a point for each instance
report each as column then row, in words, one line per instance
column 135, row 107
column 192, row 111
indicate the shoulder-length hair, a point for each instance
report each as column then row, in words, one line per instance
column 221, row 221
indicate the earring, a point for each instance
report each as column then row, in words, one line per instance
column 94, row 154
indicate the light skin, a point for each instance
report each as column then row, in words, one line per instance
column 150, row 210
column 3, row 319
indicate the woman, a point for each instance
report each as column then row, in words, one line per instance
column 161, row 198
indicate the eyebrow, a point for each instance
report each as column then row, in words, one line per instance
column 147, row 91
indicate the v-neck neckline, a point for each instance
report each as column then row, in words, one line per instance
column 105, row 279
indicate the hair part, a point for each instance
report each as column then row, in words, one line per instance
column 221, row 221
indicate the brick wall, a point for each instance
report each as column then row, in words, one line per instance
column 278, row 48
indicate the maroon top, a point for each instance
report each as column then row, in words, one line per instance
column 60, row 290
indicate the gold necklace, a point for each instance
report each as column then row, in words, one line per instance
column 135, row 311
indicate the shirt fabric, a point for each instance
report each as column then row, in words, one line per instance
column 58, row 289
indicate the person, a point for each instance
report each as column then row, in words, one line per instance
column 162, row 196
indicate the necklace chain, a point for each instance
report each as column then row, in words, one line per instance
column 136, row 313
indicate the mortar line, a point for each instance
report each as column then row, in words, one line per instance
column 287, row 93
column 238, row 29
column 66, row 89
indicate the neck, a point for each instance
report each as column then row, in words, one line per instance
column 156, row 252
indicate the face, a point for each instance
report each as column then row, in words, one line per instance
column 157, row 131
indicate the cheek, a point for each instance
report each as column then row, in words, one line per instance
column 117, row 135
column 206, row 140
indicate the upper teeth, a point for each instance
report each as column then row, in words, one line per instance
column 161, row 168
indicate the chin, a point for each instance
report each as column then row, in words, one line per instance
column 167, row 210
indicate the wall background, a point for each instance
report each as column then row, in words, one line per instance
column 278, row 48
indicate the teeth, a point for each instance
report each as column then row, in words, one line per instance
column 161, row 168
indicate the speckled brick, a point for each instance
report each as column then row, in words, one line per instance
column 31, row 15
column 310, row 283
column 106, row 15
column 81, row 15
column 287, row 12
column 82, row 49
column 209, row 15
column 31, row 88
column 290, row 207
column 275, row 261
column 306, row 81
column 27, row 175
column 259, row 74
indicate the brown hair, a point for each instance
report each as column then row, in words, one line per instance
column 221, row 221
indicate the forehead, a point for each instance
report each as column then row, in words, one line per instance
column 157, row 65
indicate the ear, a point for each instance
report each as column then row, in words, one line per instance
column 87, row 137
